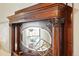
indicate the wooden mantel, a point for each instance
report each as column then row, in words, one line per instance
column 46, row 11
column 39, row 12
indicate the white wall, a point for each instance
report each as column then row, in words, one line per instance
column 76, row 30
column 6, row 10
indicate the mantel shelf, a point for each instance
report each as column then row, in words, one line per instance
column 47, row 11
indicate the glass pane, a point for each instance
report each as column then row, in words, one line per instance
column 36, row 38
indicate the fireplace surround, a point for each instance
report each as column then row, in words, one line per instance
column 44, row 29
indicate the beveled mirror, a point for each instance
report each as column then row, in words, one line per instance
column 36, row 37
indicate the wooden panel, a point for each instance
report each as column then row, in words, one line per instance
column 56, row 37
column 35, row 16
column 18, row 38
column 62, row 51
column 55, row 10
column 40, row 6
column 34, row 7
column 68, row 34
column 56, row 41
column 13, row 39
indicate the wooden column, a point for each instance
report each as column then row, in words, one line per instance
column 57, row 37
column 12, row 39
column 62, row 40
column 18, row 38
column 68, row 32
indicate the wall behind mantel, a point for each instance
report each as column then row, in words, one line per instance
column 7, row 9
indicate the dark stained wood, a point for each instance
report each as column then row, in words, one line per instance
column 34, row 7
column 62, row 38
column 40, row 6
column 68, row 32
column 15, row 54
column 62, row 51
column 13, row 38
column 18, row 38
column 57, row 40
column 55, row 11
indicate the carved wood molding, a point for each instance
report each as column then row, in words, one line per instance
column 46, row 12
